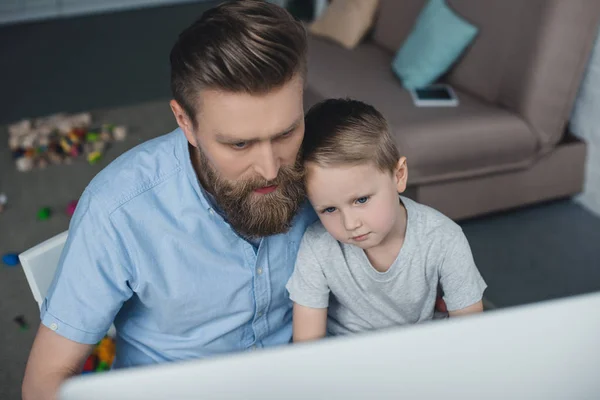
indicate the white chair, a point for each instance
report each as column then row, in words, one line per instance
column 39, row 265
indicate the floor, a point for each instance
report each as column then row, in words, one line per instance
column 117, row 65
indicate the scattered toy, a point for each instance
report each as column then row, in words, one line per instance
column 58, row 139
column 71, row 208
column 106, row 350
column 24, row 164
column 90, row 363
column 119, row 133
column 102, row 366
column 94, row 157
column 44, row 213
column 102, row 356
column 10, row 259
column 3, row 201
column 20, row 320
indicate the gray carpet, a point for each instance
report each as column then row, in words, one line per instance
column 118, row 63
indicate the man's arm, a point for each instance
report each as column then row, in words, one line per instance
column 309, row 323
column 53, row 359
column 475, row 308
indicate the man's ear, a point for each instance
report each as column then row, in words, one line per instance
column 401, row 174
column 184, row 122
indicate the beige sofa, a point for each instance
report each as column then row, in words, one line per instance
column 505, row 145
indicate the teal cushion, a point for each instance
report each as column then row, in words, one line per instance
column 437, row 40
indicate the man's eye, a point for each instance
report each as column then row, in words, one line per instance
column 240, row 145
column 362, row 200
column 328, row 210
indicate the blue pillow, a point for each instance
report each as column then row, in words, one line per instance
column 437, row 40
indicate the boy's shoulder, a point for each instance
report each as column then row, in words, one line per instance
column 428, row 222
column 317, row 234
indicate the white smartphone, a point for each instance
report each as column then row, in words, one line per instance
column 438, row 95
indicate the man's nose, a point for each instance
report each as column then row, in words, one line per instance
column 351, row 221
column 267, row 162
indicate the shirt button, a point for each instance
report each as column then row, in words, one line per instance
column 53, row 326
column 260, row 314
column 210, row 210
column 259, row 271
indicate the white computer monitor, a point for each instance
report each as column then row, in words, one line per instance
column 549, row 350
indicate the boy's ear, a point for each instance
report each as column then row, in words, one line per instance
column 401, row 175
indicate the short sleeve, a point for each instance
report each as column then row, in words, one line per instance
column 460, row 279
column 308, row 285
column 92, row 281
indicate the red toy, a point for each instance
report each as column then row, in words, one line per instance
column 90, row 363
column 70, row 210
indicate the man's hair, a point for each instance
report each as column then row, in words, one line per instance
column 348, row 132
column 248, row 46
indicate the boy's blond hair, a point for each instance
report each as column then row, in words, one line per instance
column 346, row 131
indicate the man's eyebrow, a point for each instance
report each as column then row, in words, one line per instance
column 225, row 138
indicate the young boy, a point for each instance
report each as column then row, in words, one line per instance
column 375, row 258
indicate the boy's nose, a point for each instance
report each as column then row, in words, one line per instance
column 351, row 222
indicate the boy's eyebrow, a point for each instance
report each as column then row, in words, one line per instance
column 225, row 138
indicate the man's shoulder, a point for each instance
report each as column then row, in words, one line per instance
column 138, row 170
column 429, row 222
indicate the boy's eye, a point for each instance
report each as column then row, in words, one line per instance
column 328, row 210
column 362, row 200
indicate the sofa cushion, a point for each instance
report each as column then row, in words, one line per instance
column 346, row 21
column 472, row 139
column 395, row 20
column 437, row 40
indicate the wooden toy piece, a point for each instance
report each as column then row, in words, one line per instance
column 90, row 363
column 19, row 128
column 70, row 210
column 92, row 137
column 41, row 163
column 10, row 259
column 3, row 201
column 24, row 164
column 44, row 213
column 119, row 133
column 105, row 137
column 20, row 320
column 106, row 350
column 54, row 157
column 98, row 146
column 94, row 157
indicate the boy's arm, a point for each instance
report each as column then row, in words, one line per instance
column 309, row 323
column 460, row 280
column 473, row 309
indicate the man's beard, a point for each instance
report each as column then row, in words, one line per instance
column 251, row 214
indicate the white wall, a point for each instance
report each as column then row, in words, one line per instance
column 585, row 123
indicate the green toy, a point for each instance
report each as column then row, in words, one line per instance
column 44, row 213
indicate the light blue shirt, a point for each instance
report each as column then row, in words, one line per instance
column 147, row 250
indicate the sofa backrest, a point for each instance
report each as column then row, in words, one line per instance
column 528, row 57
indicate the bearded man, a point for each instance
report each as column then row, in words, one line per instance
column 186, row 242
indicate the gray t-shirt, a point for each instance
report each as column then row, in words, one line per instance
column 360, row 298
